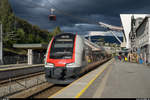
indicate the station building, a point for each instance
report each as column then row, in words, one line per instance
column 143, row 39
column 126, row 20
column 139, row 37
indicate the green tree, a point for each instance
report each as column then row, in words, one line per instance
column 20, row 35
column 56, row 31
column 24, row 32
column 31, row 38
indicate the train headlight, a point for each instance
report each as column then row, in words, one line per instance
column 49, row 65
column 71, row 65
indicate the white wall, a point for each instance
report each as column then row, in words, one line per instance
column 126, row 23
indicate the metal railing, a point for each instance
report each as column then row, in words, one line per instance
column 14, row 59
column 22, row 59
column 23, row 84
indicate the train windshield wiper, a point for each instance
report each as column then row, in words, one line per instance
column 61, row 55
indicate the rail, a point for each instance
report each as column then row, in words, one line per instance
column 18, row 67
column 14, row 85
column 36, row 85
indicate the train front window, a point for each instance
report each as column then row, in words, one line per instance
column 62, row 48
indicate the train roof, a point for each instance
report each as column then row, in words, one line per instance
column 94, row 46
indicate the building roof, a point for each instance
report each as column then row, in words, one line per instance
column 30, row 46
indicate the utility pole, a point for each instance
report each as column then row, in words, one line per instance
column 1, row 44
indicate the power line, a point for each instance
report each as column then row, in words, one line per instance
column 63, row 12
column 68, row 14
column 36, row 5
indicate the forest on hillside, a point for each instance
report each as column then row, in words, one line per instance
column 16, row 30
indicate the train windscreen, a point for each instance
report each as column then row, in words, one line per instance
column 62, row 47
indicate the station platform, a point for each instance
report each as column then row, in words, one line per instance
column 114, row 79
column 17, row 66
column 15, row 70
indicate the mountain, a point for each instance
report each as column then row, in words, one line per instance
column 107, row 39
column 16, row 30
column 19, row 31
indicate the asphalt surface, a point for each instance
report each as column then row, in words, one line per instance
column 121, row 80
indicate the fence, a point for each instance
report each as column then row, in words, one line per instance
column 16, row 86
column 38, row 58
column 14, row 59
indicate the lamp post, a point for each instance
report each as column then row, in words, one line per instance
column 1, row 44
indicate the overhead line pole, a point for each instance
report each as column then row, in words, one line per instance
column 1, row 43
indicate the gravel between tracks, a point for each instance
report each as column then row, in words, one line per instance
column 29, row 92
column 20, row 85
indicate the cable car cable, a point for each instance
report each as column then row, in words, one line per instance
column 64, row 13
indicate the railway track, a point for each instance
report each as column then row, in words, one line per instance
column 45, row 94
column 11, row 72
column 38, row 90
column 55, row 88
column 19, row 78
column 41, row 90
column 18, row 84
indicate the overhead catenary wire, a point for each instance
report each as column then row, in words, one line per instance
column 62, row 12
column 68, row 14
column 34, row 5
column 58, row 10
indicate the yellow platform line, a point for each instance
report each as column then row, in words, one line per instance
column 82, row 91
column 68, row 86
column 101, row 86
column 87, row 86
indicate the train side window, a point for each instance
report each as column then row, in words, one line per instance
column 83, row 55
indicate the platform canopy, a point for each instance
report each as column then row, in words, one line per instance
column 30, row 46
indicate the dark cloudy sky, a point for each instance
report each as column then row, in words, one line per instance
column 77, row 15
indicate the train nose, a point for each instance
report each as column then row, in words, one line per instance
column 59, row 73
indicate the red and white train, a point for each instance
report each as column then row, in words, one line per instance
column 66, row 55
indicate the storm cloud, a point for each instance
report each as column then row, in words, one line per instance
column 77, row 15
